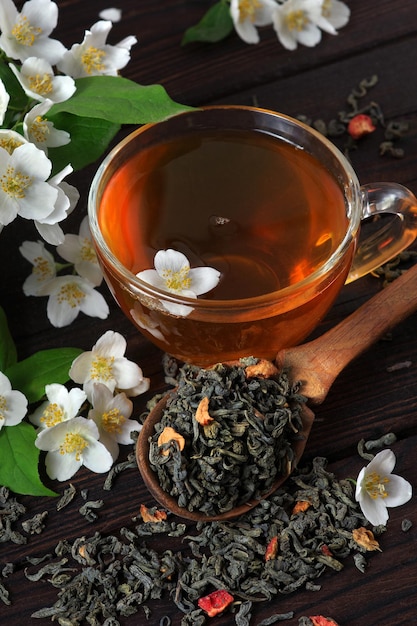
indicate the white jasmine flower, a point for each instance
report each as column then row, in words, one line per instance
column 38, row 81
column 94, row 57
column 4, row 101
column 42, row 133
column 113, row 14
column 248, row 14
column 173, row 274
column 71, row 444
column 23, row 187
column 106, row 364
column 336, row 13
column 79, row 250
column 13, row 404
column 111, row 414
column 70, row 295
column 67, row 198
column 26, row 34
column 10, row 140
column 61, row 405
column 44, row 267
column 377, row 488
column 300, row 21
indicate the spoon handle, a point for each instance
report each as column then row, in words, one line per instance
column 317, row 363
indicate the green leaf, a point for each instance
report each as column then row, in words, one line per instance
column 215, row 25
column 15, row 91
column 119, row 100
column 8, row 355
column 42, row 368
column 90, row 138
column 19, row 459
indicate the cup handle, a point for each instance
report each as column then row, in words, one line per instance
column 387, row 239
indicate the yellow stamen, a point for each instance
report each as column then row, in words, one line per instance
column 3, row 408
column 15, row 183
column 42, row 269
column 71, row 294
column 39, row 129
column 247, row 9
column 10, row 144
column 87, row 251
column 112, row 421
column 73, row 443
column 375, row 485
column 24, row 32
column 177, row 281
column 101, row 368
column 326, row 8
column 41, row 84
column 92, row 60
column 52, row 415
column 297, row 20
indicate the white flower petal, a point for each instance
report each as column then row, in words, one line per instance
column 310, row 36
column 247, row 32
column 95, row 305
column 127, row 373
column 152, row 278
column 171, row 261
column 399, row 491
column 337, row 13
column 204, row 279
column 112, row 14
column 97, row 458
column 111, row 344
column 4, row 101
column 80, row 369
column 61, row 467
column 375, row 511
column 383, row 463
column 142, row 387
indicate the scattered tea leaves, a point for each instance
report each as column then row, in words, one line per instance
column 108, row 577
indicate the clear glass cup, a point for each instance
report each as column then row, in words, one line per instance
column 142, row 171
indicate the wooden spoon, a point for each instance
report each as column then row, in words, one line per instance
column 316, row 364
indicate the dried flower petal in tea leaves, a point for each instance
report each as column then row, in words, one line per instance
column 238, row 431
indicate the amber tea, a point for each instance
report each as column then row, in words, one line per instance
column 263, row 212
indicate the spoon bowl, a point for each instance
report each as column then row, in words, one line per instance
column 315, row 364
column 169, row 502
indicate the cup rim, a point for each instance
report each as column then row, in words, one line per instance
column 146, row 289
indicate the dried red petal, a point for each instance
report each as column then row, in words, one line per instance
column 326, row 550
column 156, row 516
column 360, row 125
column 319, row 620
column 215, row 602
column 300, row 507
column 271, row 549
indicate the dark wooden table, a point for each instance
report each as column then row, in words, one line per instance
column 370, row 398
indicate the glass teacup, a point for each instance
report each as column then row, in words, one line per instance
column 263, row 200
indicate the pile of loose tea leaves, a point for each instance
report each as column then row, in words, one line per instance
column 284, row 544
column 226, row 435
